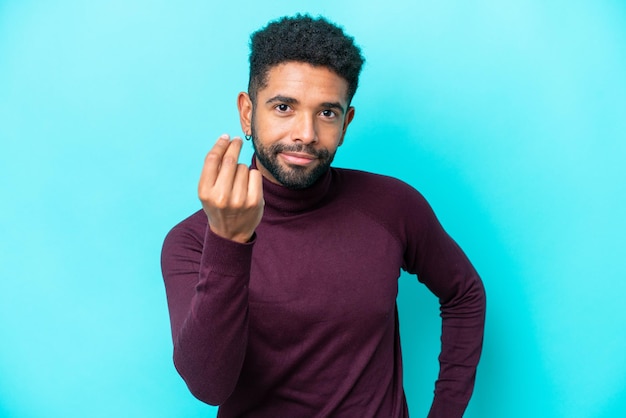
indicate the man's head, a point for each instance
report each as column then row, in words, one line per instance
column 303, row 75
column 302, row 38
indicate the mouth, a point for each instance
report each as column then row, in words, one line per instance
column 297, row 158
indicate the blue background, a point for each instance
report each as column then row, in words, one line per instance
column 510, row 117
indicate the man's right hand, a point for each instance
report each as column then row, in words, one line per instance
column 231, row 194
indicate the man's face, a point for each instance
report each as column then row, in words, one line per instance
column 299, row 119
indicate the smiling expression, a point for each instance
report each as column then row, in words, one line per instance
column 297, row 123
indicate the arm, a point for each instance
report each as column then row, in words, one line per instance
column 443, row 267
column 205, row 282
column 206, row 268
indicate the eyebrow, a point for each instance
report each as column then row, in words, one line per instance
column 282, row 99
column 291, row 100
column 334, row 105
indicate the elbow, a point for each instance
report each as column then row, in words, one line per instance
column 481, row 295
column 474, row 301
column 471, row 302
column 208, row 396
column 476, row 296
column 208, row 384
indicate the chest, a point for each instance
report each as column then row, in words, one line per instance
column 343, row 268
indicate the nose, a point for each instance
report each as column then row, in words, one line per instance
column 304, row 130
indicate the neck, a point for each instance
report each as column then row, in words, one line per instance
column 281, row 200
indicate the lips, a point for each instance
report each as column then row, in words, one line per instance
column 297, row 158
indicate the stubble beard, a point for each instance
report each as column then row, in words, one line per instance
column 293, row 177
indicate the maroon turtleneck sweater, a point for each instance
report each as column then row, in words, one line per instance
column 302, row 321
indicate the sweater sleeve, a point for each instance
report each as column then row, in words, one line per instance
column 206, row 281
column 443, row 267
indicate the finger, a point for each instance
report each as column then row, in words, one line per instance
column 227, row 170
column 255, row 188
column 221, row 190
column 213, row 161
column 239, row 194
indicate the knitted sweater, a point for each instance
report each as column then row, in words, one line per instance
column 302, row 321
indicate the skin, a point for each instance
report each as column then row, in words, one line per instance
column 302, row 107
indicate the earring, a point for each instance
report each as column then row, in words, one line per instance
column 248, row 137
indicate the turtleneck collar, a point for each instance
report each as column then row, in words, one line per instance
column 281, row 200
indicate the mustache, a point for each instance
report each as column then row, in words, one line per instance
column 306, row 148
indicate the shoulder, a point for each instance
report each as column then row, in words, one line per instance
column 187, row 234
column 373, row 189
column 387, row 200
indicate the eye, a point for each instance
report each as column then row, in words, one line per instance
column 328, row 113
column 282, row 107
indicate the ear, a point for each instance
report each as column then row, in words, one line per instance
column 244, row 104
column 346, row 122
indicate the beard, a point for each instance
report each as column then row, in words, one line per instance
column 293, row 177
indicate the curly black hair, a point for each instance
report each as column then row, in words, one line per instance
column 302, row 38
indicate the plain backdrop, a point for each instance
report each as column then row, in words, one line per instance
column 510, row 117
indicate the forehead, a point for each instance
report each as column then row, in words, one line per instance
column 301, row 80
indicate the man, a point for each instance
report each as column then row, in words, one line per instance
column 282, row 290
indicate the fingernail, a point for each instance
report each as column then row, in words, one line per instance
column 224, row 136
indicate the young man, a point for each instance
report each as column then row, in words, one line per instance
column 282, row 290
